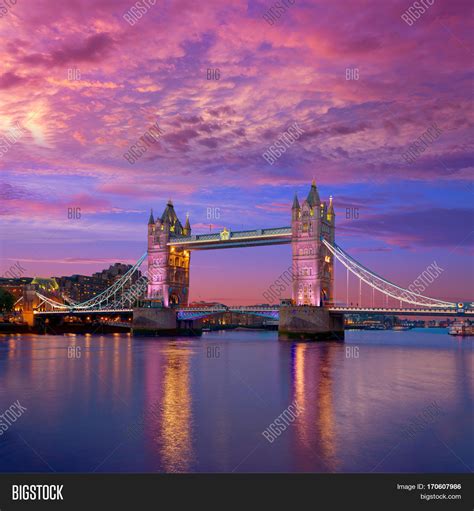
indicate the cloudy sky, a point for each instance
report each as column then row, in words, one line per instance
column 84, row 85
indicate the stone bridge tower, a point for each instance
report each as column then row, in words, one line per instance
column 168, row 267
column 313, row 264
column 29, row 303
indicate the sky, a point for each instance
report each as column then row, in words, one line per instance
column 360, row 82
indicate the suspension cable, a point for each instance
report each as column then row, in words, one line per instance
column 384, row 286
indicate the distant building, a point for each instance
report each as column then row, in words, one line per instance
column 206, row 304
column 79, row 287
column 15, row 286
column 111, row 274
column 45, row 284
column 76, row 288
column 83, row 287
column 367, row 320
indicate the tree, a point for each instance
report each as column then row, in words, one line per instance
column 6, row 300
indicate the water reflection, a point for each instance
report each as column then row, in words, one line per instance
column 207, row 414
column 313, row 391
column 326, row 422
column 176, row 420
column 168, row 419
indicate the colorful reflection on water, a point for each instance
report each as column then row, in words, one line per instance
column 125, row 404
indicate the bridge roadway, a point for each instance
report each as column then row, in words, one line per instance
column 272, row 311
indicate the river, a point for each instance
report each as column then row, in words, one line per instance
column 383, row 401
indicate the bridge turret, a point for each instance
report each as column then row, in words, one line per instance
column 313, row 196
column 312, row 263
column 168, row 268
column 187, row 226
column 331, row 214
column 305, row 227
column 151, row 227
column 170, row 220
column 295, row 209
column 326, row 259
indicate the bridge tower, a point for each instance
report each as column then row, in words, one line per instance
column 168, row 268
column 313, row 264
column 29, row 303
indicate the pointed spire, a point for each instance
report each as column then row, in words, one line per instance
column 170, row 219
column 331, row 215
column 296, row 204
column 151, row 220
column 187, row 225
column 331, row 207
column 313, row 195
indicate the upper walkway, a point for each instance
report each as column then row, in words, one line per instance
column 232, row 239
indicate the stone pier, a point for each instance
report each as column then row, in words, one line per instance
column 306, row 322
column 161, row 321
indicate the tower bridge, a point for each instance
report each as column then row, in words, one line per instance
column 170, row 246
column 160, row 301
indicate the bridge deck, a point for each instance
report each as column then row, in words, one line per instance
column 273, row 310
column 233, row 239
column 405, row 311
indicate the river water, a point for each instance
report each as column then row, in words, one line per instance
column 383, row 401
